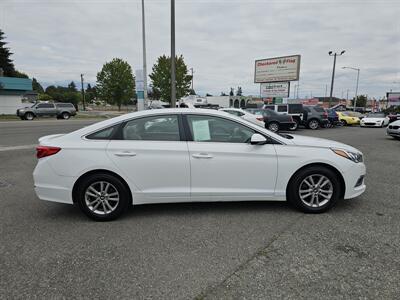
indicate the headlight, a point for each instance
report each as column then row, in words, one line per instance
column 353, row 156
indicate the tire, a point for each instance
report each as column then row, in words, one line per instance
column 65, row 116
column 344, row 123
column 295, row 126
column 299, row 198
column 116, row 197
column 273, row 126
column 313, row 124
column 29, row 116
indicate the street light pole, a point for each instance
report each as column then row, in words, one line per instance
column 333, row 73
column 173, row 84
column 358, row 76
column 83, row 93
column 144, row 54
column 191, row 69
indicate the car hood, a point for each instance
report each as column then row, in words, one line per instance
column 301, row 140
column 366, row 119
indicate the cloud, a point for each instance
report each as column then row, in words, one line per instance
column 56, row 41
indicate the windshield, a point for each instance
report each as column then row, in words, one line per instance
column 376, row 115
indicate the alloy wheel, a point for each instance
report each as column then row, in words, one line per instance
column 101, row 197
column 313, row 124
column 274, row 127
column 316, row 190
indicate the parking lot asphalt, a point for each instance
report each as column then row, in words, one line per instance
column 200, row 250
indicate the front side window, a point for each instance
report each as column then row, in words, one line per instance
column 156, row 128
column 216, row 129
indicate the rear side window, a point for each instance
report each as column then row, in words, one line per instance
column 45, row 105
column 282, row 108
column 104, row 134
column 66, row 105
column 156, row 128
column 295, row 108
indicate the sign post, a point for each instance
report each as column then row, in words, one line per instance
column 139, row 89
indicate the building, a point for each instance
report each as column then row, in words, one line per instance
column 12, row 91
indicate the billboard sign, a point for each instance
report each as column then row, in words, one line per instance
column 393, row 99
column 277, row 69
column 275, row 89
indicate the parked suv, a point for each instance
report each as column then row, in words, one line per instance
column 296, row 111
column 274, row 121
column 59, row 110
column 314, row 117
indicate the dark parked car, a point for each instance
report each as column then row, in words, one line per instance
column 59, row 110
column 393, row 117
column 273, row 120
column 315, row 117
column 333, row 118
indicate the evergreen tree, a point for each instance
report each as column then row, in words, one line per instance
column 5, row 61
column 36, row 86
column 231, row 93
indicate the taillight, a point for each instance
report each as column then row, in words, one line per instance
column 260, row 118
column 325, row 114
column 43, row 151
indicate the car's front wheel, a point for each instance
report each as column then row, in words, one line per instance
column 65, row 115
column 29, row 116
column 102, row 197
column 314, row 189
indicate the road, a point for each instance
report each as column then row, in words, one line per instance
column 200, row 250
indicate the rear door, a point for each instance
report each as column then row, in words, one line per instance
column 152, row 153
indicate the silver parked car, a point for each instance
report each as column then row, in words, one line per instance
column 394, row 130
column 59, row 110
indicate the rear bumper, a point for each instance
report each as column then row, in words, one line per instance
column 52, row 187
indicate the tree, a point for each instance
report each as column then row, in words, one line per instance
column 6, row 62
column 90, row 93
column 44, row 97
column 192, row 92
column 19, row 74
column 72, row 86
column 239, row 91
column 36, row 86
column 223, row 94
column 161, row 78
column 232, row 93
column 208, row 95
column 361, row 101
column 116, row 83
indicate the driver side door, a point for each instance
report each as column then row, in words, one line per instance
column 224, row 165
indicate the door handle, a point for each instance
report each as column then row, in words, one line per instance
column 126, row 153
column 202, row 155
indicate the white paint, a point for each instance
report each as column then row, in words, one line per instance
column 9, row 104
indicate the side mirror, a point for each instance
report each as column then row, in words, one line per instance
column 258, row 139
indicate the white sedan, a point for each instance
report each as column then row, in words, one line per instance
column 374, row 120
column 187, row 155
column 256, row 119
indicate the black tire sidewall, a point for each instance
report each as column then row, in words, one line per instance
column 122, row 190
column 29, row 114
column 65, row 114
column 293, row 195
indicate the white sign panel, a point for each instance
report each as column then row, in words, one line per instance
column 286, row 68
column 275, row 89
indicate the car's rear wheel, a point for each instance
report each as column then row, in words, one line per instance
column 29, row 116
column 65, row 115
column 344, row 123
column 273, row 126
column 102, row 197
column 314, row 189
column 313, row 124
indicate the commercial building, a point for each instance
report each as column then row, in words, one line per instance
column 12, row 91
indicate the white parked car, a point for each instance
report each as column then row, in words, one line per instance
column 185, row 155
column 256, row 119
column 394, row 129
column 374, row 120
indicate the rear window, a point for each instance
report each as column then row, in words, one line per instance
column 319, row 109
column 295, row 108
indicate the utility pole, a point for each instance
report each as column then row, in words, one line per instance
column 83, row 93
column 144, row 54
column 191, row 69
column 333, row 73
column 326, row 89
column 173, row 84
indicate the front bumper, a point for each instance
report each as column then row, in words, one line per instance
column 351, row 176
column 371, row 124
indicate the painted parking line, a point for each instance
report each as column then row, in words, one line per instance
column 21, row 147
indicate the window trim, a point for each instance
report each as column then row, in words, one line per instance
column 117, row 134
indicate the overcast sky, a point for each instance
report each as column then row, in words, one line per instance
column 57, row 40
